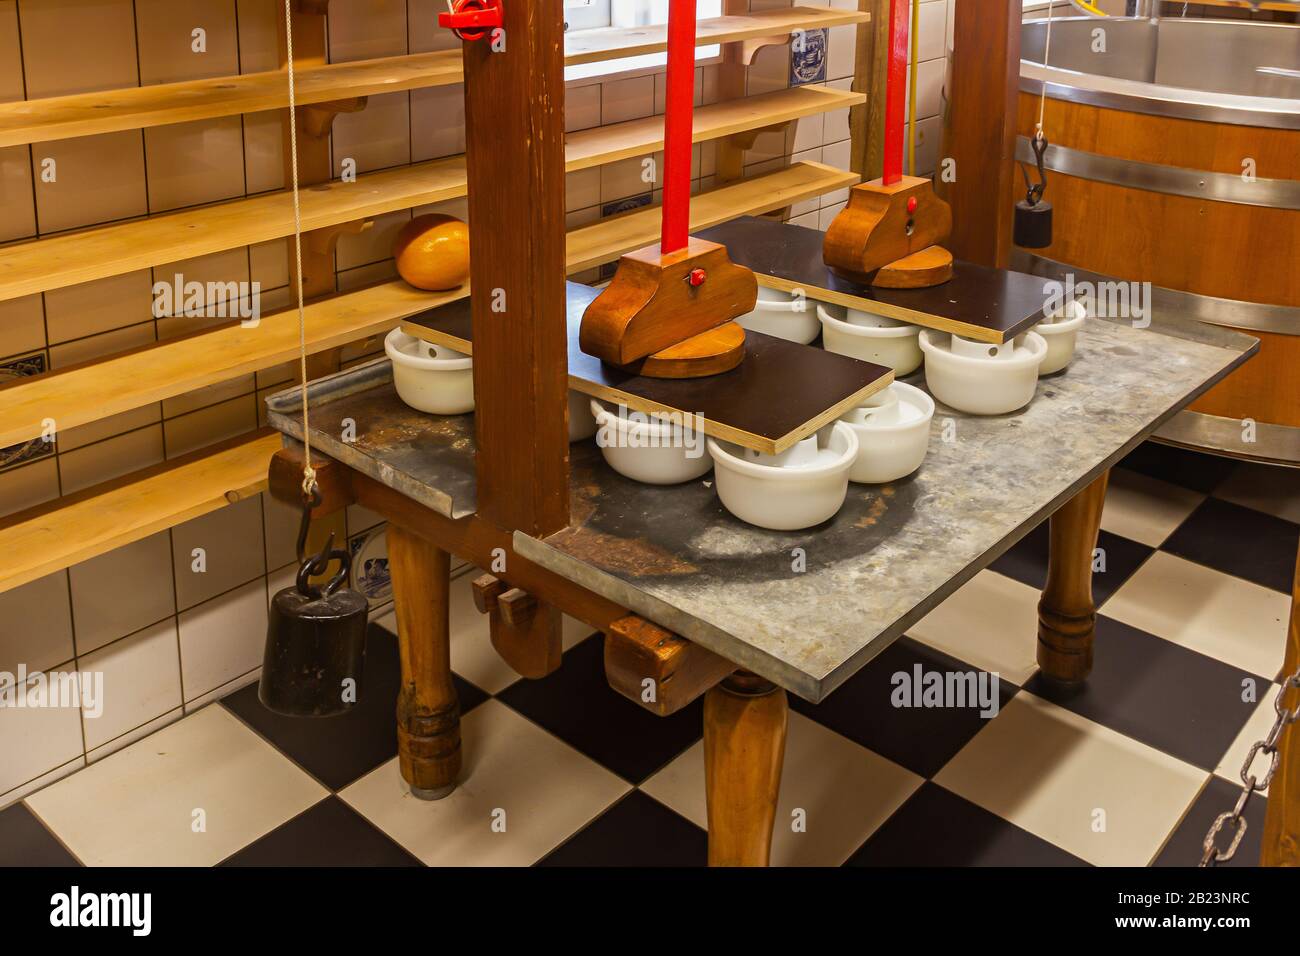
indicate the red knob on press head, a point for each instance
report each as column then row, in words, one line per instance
column 911, row 204
column 697, row 277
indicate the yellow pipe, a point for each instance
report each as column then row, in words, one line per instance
column 911, row 108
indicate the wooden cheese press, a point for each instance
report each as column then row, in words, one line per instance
column 661, row 336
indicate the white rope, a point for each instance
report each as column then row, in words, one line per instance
column 308, row 472
column 1047, row 54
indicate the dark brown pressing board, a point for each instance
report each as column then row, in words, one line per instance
column 987, row 305
column 781, row 393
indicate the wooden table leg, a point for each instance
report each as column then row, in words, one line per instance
column 744, row 747
column 428, row 714
column 1067, row 617
column 1282, row 816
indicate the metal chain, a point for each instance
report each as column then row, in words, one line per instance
column 1214, row 854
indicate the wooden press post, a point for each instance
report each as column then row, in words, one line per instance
column 514, row 145
column 980, row 130
column 1281, row 846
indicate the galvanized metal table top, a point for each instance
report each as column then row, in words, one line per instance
column 808, row 618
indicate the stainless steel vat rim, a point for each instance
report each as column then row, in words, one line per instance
column 1212, row 310
column 1273, row 444
column 1155, row 100
column 1173, row 180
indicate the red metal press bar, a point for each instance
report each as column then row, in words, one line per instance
column 677, row 126
column 895, row 92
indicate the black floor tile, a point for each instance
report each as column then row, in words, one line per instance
column 922, row 739
column 1239, row 541
column 938, row 828
column 1174, row 699
column 24, row 841
column 636, row 831
column 1186, row 844
column 1190, row 469
column 576, row 704
column 1026, row 561
column 329, row 834
column 338, row 750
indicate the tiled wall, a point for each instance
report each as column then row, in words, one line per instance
column 166, row 637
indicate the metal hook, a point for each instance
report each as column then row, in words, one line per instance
column 1034, row 191
column 311, row 566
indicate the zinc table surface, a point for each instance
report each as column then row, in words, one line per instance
column 675, row 556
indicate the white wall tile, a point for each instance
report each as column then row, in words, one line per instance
column 122, row 591
column 222, row 639
column 139, row 680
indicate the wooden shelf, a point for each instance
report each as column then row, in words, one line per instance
column 608, row 144
column 110, row 111
column 94, row 390
column 75, row 257
column 57, row 535
column 608, row 239
column 593, row 46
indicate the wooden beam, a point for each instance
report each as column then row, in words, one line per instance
column 867, row 122
column 527, row 633
column 514, row 136
column 1281, row 846
column 980, row 135
column 656, row 669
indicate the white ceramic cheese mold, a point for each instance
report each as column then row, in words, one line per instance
column 893, row 432
column 801, row 487
column 430, row 378
column 1061, row 331
column 981, row 378
column 649, row 450
column 870, row 338
column 782, row 315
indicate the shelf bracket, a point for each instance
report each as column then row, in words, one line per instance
column 318, row 118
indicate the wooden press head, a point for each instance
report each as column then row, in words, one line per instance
column 670, row 316
column 891, row 236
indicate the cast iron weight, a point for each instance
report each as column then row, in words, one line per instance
column 1033, row 229
column 316, row 636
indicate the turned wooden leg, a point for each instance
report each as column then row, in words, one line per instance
column 1282, row 816
column 428, row 714
column 744, row 746
column 1067, row 617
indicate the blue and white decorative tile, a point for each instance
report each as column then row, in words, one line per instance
column 27, row 451
column 370, row 573
column 808, row 57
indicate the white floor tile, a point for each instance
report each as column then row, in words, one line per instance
column 516, row 775
column 991, row 623
column 1145, row 509
column 1232, row 620
column 837, row 790
column 1257, row 728
column 1100, row 795
column 140, row 806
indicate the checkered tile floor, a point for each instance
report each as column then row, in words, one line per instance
column 1198, row 555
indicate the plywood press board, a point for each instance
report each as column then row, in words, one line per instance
column 987, row 305
column 782, row 392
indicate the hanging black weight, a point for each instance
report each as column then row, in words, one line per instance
column 1033, row 229
column 1033, row 224
column 315, row 639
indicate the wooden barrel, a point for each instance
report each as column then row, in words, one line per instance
column 1208, row 204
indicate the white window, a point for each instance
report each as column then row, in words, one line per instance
column 597, row 14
